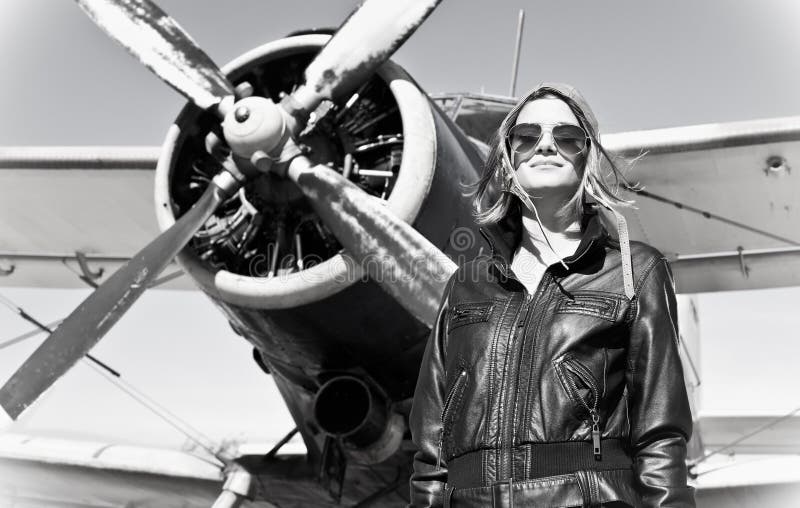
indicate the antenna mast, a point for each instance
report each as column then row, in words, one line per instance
column 520, row 23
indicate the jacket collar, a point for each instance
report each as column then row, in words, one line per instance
column 504, row 237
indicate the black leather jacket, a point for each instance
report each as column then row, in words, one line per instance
column 570, row 396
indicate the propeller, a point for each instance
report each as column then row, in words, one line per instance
column 158, row 42
column 256, row 129
column 366, row 39
column 87, row 324
column 405, row 263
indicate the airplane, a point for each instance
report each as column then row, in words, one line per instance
column 285, row 261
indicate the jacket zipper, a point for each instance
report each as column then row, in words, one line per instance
column 529, row 303
column 527, row 306
column 462, row 376
column 578, row 370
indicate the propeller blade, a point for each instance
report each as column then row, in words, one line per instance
column 87, row 324
column 399, row 258
column 153, row 37
column 366, row 39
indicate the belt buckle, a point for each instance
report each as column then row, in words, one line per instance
column 503, row 494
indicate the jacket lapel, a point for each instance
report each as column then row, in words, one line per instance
column 504, row 237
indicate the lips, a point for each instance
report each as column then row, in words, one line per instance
column 540, row 164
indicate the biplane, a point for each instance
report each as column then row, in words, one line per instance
column 331, row 266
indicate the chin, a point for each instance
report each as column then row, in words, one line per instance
column 545, row 186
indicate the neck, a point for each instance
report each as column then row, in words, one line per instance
column 564, row 234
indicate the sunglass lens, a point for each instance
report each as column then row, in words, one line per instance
column 524, row 137
column 570, row 139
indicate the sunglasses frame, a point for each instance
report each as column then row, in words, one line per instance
column 587, row 138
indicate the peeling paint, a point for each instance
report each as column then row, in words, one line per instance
column 367, row 39
column 405, row 263
column 163, row 46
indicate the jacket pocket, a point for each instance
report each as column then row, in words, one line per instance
column 471, row 312
column 578, row 381
column 592, row 303
column 451, row 402
column 584, row 391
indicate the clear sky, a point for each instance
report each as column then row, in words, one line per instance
column 641, row 65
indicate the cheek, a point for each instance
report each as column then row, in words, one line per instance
column 576, row 172
column 570, row 177
column 576, row 169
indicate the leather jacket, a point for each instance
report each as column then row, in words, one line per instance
column 571, row 396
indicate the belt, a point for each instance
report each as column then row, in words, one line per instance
column 538, row 460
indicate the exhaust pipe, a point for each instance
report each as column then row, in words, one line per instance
column 350, row 409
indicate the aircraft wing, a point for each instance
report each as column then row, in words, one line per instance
column 760, row 470
column 770, row 434
column 722, row 201
column 38, row 471
column 59, row 201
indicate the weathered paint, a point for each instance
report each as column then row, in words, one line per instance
column 366, row 40
column 405, row 263
column 163, row 46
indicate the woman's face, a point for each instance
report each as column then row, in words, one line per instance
column 547, row 167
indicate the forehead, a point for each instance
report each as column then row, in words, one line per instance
column 547, row 110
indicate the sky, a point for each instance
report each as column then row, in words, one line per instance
column 640, row 64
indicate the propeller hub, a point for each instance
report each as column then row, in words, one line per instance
column 254, row 124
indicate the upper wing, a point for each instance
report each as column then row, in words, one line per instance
column 722, row 201
column 56, row 201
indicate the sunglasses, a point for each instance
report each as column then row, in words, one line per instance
column 569, row 139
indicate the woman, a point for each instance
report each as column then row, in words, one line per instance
column 552, row 376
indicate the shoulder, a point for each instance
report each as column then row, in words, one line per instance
column 649, row 263
column 644, row 255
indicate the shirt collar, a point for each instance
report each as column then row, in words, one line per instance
column 504, row 237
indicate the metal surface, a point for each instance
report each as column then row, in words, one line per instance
column 780, row 434
column 405, row 263
column 413, row 117
column 366, row 40
column 512, row 90
column 162, row 45
column 79, row 157
column 705, row 137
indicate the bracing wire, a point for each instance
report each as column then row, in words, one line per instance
column 115, row 378
column 759, row 430
column 709, row 215
column 162, row 413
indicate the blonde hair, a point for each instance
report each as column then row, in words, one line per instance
column 499, row 173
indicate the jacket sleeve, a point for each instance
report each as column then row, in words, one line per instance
column 429, row 476
column 660, row 417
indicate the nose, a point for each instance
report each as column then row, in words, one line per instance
column 546, row 145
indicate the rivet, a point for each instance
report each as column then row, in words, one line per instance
column 241, row 114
